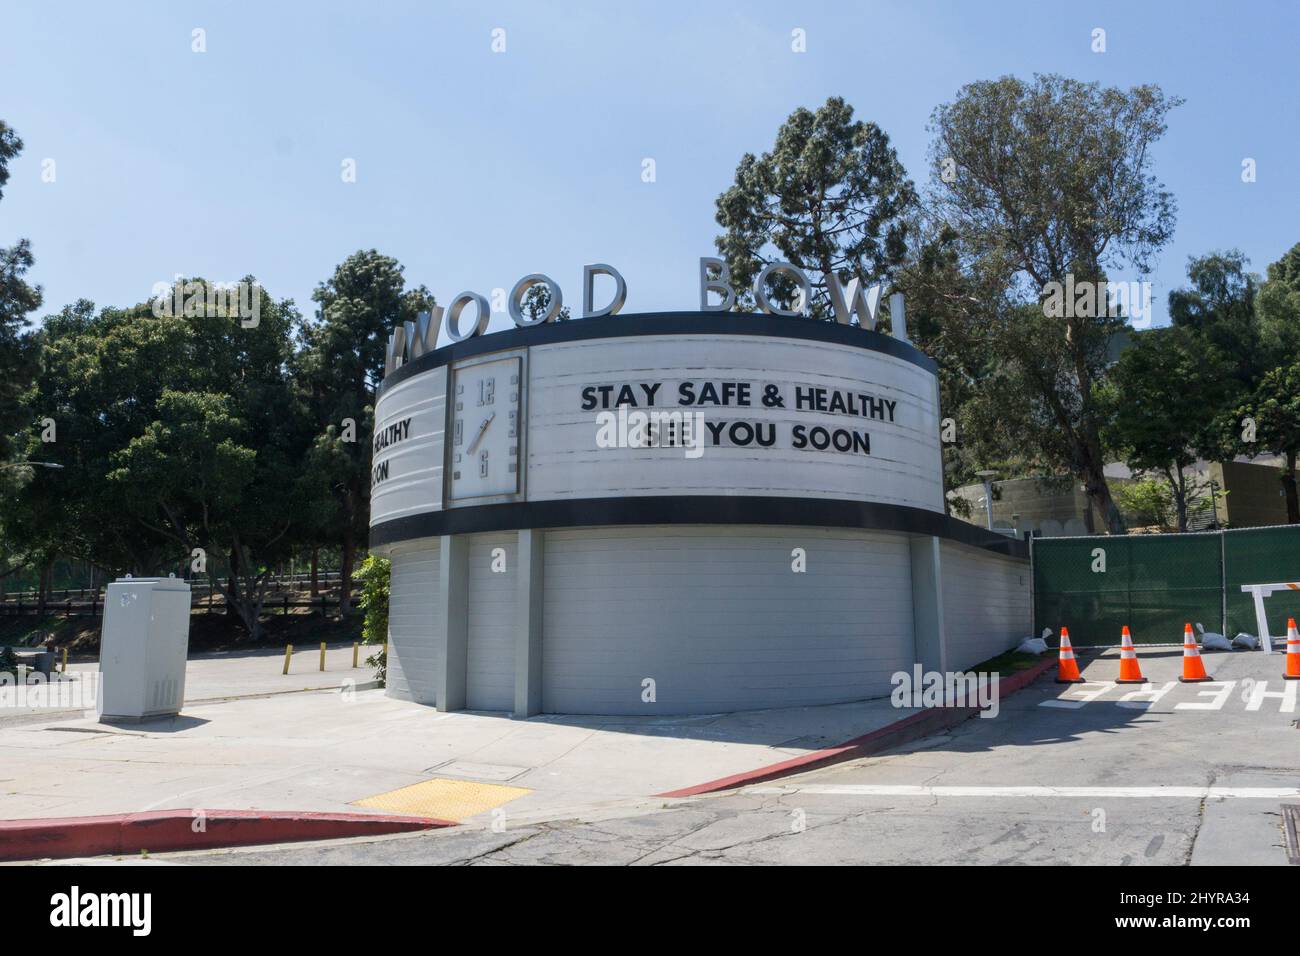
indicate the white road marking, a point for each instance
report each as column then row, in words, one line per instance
column 890, row 790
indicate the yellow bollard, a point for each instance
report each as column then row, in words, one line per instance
column 355, row 648
column 65, row 661
column 385, row 651
column 322, row 655
column 288, row 653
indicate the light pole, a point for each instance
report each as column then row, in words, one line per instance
column 988, row 477
column 30, row 464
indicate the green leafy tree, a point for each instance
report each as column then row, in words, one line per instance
column 953, row 319
column 1261, row 326
column 538, row 299
column 1278, row 305
column 1272, row 419
column 18, row 298
column 376, row 575
column 1043, row 181
column 218, row 466
column 1167, row 391
column 175, row 432
column 830, row 197
column 1147, row 502
column 340, row 364
column 1219, row 305
column 97, row 377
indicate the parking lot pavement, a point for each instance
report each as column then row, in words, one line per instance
column 1096, row 773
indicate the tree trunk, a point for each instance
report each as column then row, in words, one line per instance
column 1086, row 438
column 345, row 578
column 249, row 614
column 246, row 603
column 315, row 580
column 232, row 589
column 44, row 578
column 1289, row 486
column 1179, row 487
column 1098, row 492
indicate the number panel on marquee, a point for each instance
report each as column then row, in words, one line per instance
column 485, row 429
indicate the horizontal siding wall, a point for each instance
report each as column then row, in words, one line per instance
column 719, row 620
column 986, row 606
column 414, row 629
column 490, row 664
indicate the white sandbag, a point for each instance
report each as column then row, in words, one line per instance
column 1035, row 645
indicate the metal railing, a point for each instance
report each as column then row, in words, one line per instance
column 89, row 602
column 276, row 583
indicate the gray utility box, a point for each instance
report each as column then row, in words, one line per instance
column 142, row 648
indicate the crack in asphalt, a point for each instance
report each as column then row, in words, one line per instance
column 574, row 832
column 523, row 838
column 1210, row 778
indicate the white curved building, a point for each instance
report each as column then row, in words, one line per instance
column 770, row 534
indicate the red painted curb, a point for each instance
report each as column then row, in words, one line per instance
column 159, row 831
column 912, row 727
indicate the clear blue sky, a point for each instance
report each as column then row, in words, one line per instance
column 475, row 168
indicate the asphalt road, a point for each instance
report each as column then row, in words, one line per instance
column 1051, row 780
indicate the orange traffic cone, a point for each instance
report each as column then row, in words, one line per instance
column 1193, row 666
column 1129, row 671
column 1292, row 651
column 1067, row 668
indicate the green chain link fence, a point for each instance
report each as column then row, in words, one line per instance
column 1156, row 583
column 1261, row 556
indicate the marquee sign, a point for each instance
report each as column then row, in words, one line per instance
column 848, row 301
column 629, row 413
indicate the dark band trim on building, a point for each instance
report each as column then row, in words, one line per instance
column 665, row 323
column 692, row 509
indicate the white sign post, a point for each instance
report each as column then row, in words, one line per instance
column 1259, row 592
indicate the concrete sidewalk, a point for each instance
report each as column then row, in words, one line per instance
column 325, row 750
column 244, row 672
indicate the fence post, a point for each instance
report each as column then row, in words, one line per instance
column 1223, row 580
column 1033, row 592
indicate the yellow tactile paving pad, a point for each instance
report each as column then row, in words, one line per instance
column 444, row 799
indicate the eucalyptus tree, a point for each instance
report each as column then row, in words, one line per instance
column 1050, row 183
